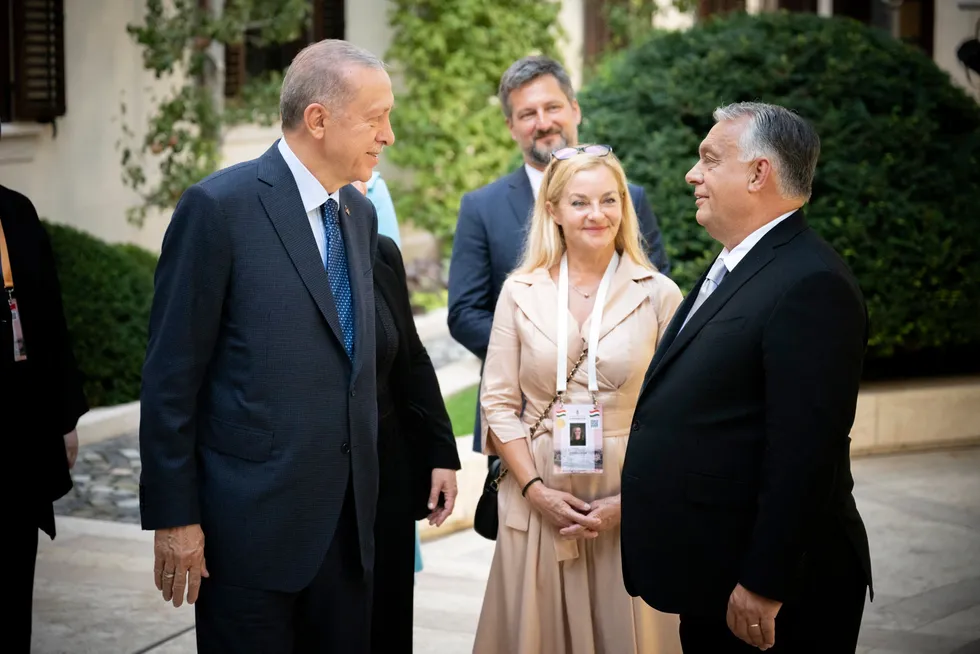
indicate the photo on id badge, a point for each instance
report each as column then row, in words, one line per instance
column 578, row 439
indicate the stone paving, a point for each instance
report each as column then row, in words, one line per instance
column 94, row 594
column 106, row 477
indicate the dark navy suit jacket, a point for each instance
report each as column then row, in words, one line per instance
column 489, row 240
column 253, row 417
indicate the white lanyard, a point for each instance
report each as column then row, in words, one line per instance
column 600, row 301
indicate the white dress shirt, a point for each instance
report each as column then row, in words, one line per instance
column 728, row 260
column 313, row 195
column 732, row 258
column 534, row 176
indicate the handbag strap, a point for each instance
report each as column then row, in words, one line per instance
column 544, row 414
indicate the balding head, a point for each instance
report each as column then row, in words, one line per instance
column 320, row 74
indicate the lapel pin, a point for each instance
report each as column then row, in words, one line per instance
column 346, row 209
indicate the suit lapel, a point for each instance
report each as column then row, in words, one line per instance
column 758, row 258
column 356, row 242
column 521, row 197
column 281, row 201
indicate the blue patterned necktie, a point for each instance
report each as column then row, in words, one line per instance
column 337, row 273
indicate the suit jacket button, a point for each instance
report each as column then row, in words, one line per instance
column 353, row 393
column 345, row 448
column 635, row 426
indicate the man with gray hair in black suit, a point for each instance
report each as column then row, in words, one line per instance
column 258, row 430
column 737, row 510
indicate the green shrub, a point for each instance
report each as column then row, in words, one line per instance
column 450, row 133
column 897, row 189
column 107, row 291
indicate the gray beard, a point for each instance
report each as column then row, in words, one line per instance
column 542, row 156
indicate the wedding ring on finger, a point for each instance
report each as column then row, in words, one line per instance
column 168, row 575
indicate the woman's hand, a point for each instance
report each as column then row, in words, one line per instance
column 607, row 513
column 560, row 509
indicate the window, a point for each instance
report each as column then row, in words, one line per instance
column 32, row 60
column 250, row 60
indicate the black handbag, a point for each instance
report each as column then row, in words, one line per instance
column 486, row 522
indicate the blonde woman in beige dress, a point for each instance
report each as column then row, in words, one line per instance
column 556, row 582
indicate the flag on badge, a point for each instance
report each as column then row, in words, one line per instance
column 594, row 412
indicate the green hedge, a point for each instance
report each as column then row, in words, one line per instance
column 107, row 290
column 897, row 189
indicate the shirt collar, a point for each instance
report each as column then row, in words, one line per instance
column 733, row 257
column 534, row 176
column 311, row 191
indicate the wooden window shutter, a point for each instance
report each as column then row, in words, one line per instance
column 328, row 20
column 597, row 33
column 234, row 69
column 6, row 80
column 39, row 59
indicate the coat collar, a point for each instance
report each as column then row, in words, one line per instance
column 536, row 294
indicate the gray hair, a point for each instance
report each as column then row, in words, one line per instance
column 526, row 70
column 788, row 141
column 317, row 74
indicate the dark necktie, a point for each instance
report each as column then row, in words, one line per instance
column 337, row 273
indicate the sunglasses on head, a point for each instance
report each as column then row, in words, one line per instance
column 571, row 151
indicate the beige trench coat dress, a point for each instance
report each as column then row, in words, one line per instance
column 547, row 595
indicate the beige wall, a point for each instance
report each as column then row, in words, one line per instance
column 75, row 178
column 953, row 26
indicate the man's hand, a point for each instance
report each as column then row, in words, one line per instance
column 443, row 481
column 71, row 447
column 178, row 563
column 752, row 617
column 607, row 511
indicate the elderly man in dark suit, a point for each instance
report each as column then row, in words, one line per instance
column 543, row 116
column 737, row 505
column 259, row 407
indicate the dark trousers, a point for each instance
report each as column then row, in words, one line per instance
column 332, row 614
column 24, row 545
column 824, row 618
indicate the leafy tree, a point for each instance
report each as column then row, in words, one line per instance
column 896, row 190
column 451, row 135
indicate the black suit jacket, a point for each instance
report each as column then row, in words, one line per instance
column 489, row 240
column 253, row 416
column 738, row 467
column 41, row 399
column 423, row 422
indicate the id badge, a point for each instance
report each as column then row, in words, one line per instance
column 20, row 349
column 578, row 439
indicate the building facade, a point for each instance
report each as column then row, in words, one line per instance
column 67, row 67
